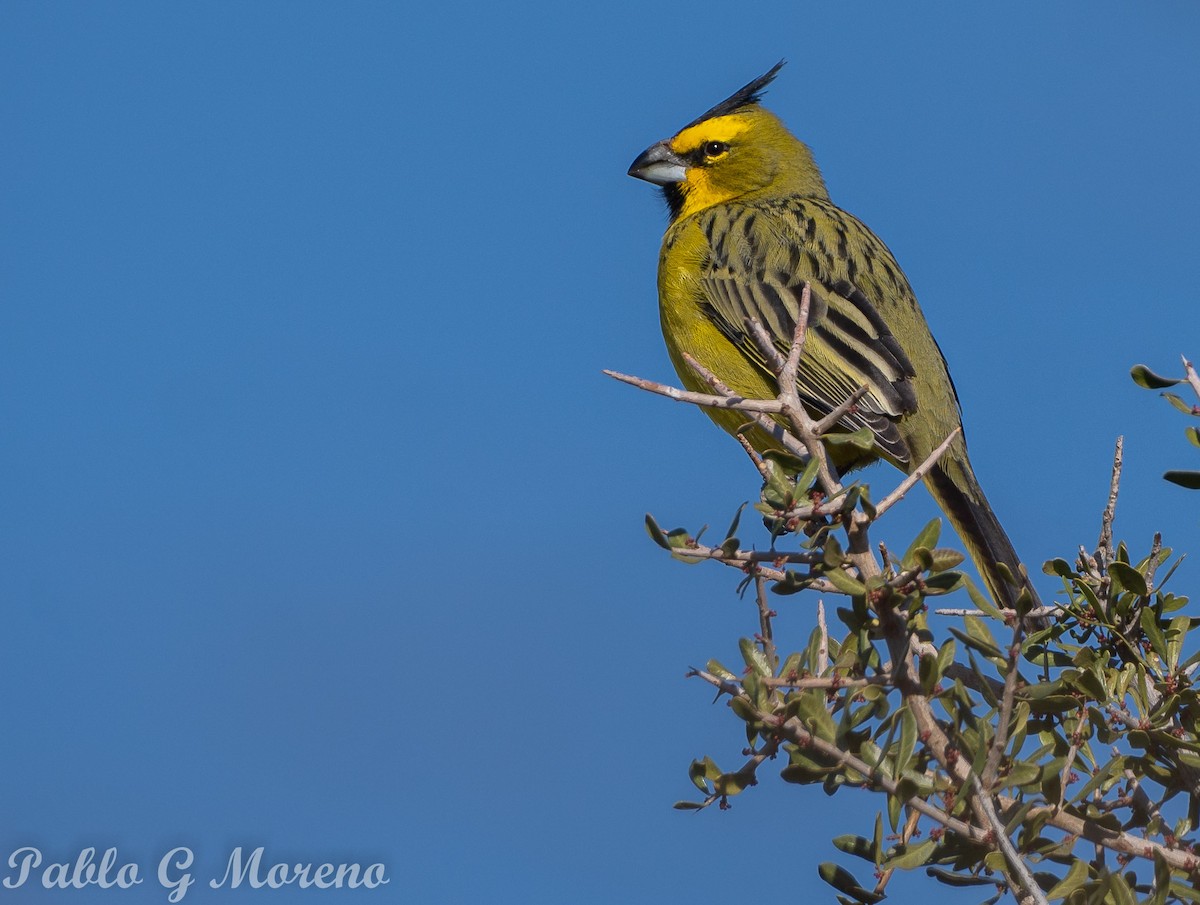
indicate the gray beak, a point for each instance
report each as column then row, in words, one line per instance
column 660, row 165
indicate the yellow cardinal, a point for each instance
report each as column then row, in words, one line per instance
column 751, row 223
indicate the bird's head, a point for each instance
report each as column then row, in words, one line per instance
column 734, row 150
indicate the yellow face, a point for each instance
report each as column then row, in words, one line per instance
column 732, row 155
column 724, row 161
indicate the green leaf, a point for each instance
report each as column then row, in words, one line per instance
column 1150, row 627
column 733, row 526
column 864, row 500
column 1054, row 703
column 863, row 439
column 1184, row 891
column 715, row 667
column 1162, row 880
column 1121, row 893
column 857, row 846
column 832, row 555
column 733, row 783
column 805, row 773
column 843, row 881
column 1091, row 685
column 1144, row 377
column 1193, row 435
column 656, row 533
column 1176, row 632
column 943, row 583
column 979, row 631
column 689, row 805
column 754, row 657
column 1023, row 773
column 983, row 602
column 1040, row 655
column 1075, row 877
column 927, row 538
column 810, row 708
column 702, row 770
column 945, row 656
column 952, row 879
column 1179, row 403
column 778, row 491
column 1059, row 567
column 945, row 558
column 919, row 558
column 808, row 477
column 841, row 580
column 910, row 857
column 894, row 804
column 1127, row 577
column 1188, row 479
column 794, row 663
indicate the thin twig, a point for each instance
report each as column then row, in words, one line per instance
column 960, row 770
column 910, row 827
column 915, row 475
column 1006, row 612
column 754, row 456
column 1064, row 775
column 832, row 683
column 1192, row 377
column 796, row 732
column 1105, row 546
column 791, row 368
column 1000, row 740
column 823, row 644
column 747, row 557
column 766, row 345
column 729, row 400
column 1152, row 566
column 1015, row 862
column 1141, row 798
column 827, row 423
column 792, row 407
column 772, row 427
column 765, row 614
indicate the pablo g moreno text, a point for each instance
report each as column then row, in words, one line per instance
column 242, row 869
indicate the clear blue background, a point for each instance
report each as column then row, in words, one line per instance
column 320, row 528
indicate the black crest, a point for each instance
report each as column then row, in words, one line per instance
column 743, row 97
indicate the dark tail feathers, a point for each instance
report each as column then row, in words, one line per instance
column 977, row 525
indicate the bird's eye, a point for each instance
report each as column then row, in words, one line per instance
column 715, row 149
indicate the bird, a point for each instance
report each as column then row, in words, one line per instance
column 752, row 224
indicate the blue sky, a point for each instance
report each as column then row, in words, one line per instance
column 320, row 528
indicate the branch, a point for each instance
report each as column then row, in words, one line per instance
column 794, row 730
column 832, row 683
column 823, row 646
column 1015, row 862
column 728, row 400
column 1105, row 545
column 915, row 475
column 1113, row 840
column 1000, row 740
column 823, row 426
column 789, row 373
column 772, row 427
column 786, row 373
column 765, row 631
column 1192, row 377
column 1047, row 610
